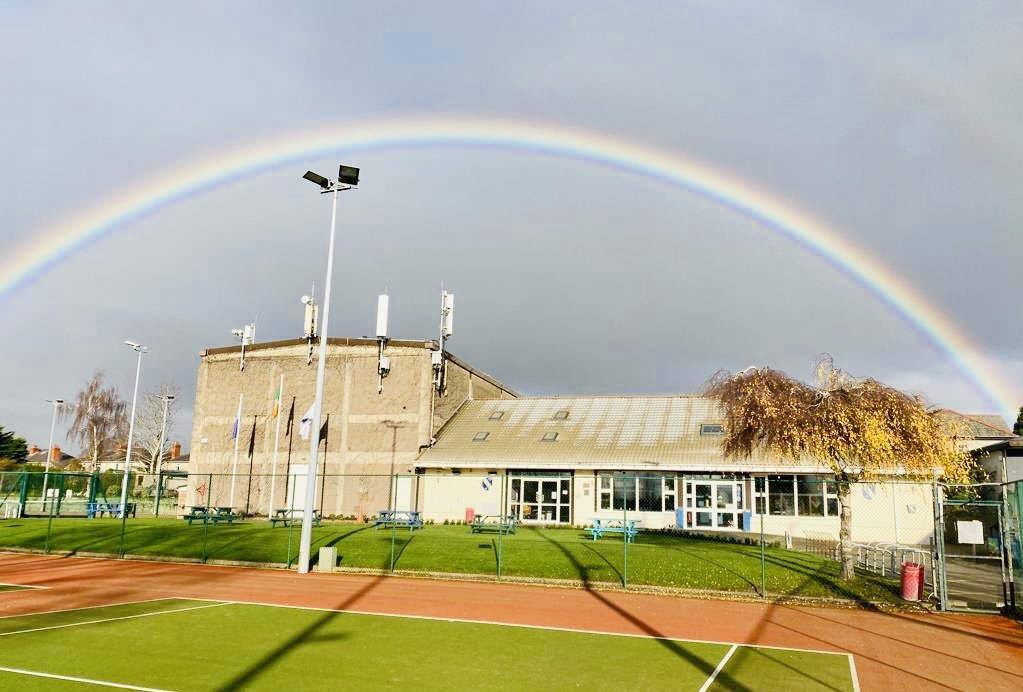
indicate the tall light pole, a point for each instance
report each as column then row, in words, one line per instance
column 57, row 403
column 393, row 489
column 347, row 178
column 140, row 349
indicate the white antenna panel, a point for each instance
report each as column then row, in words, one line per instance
column 310, row 320
column 382, row 303
column 249, row 334
column 448, row 309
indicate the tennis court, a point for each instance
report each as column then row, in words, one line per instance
column 194, row 644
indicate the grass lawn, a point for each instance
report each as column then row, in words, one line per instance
column 206, row 645
column 558, row 553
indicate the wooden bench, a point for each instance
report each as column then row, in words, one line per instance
column 627, row 528
column 398, row 518
column 94, row 509
column 501, row 523
column 287, row 517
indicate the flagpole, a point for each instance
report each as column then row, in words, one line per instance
column 277, row 441
column 237, row 436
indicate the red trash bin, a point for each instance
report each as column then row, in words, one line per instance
column 469, row 514
column 912, row 581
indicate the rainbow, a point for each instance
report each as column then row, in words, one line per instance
column 53, row 244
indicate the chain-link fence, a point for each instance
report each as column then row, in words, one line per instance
column 771, row 535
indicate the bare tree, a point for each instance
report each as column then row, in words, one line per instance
column 98, row 420
column 856, row 428
column 149, row 424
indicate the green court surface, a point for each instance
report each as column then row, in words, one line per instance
column 182, row 644
column 13, row 587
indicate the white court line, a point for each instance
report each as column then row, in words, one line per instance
column 123, row 617
column 85, row 680
column 105, row 605
column 714, row 675
column 25, row 586
column 520, row 625
column 855, row 677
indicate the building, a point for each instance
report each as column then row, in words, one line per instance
column 474, row 446
column 369, row 433
column 58, row 458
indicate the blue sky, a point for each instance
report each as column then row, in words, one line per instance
column 900, row 125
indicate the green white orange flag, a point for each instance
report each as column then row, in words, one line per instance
column 277, row 400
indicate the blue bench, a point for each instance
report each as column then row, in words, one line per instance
column 626, row 527
column 398, row 518
column 101, row 509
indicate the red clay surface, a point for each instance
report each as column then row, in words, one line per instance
column 891, row 651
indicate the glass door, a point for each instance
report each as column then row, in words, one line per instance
column 541, row 500
column 714, row 504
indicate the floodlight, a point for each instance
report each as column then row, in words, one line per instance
column 306, row 300
column 348, row 175
column 318, row 179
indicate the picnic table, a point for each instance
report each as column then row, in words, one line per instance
column 626, row 527
column 398, row 518
column 501, row 523
column 287, row 517
column 94, row 509
column 210, row 514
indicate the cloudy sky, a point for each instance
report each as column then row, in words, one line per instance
column 900, row 126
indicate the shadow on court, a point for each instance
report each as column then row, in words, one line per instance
column 248, row 675
column 723, row 678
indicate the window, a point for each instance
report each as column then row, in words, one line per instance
column 561, row 415
column 549, row 437
column 480, row 436
column 790, row 495
column 636, row 490
column 781, row 500
column 497, row 415
column 712, row 429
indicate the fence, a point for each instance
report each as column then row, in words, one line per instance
column 776, row 537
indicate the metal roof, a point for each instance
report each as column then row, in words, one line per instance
column 596, row 432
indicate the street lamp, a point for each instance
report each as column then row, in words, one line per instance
column 347, row 178
column 57, row 403
column 140, row 349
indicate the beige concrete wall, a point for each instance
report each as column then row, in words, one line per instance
column 463, row 384
column 370, row 435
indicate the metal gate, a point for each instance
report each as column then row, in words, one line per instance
column 973, row 575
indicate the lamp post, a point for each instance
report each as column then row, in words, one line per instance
column 57, row 403
column 393, row 489
column 348, row 177
column 140, row 349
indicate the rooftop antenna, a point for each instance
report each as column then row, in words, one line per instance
column 383, row 362
column 447, row 313
column 247, row 336
column 309, row 330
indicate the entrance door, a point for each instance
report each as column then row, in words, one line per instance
column 714, row 504
column 541, row 500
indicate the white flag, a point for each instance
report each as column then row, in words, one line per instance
column 307, row 422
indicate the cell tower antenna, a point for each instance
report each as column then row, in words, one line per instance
column 383, row 362
column 447, row 315
column 310, row 327
column 247, row 336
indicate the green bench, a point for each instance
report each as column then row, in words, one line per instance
column 210, row 515
column 287, row 517
column 501, row 523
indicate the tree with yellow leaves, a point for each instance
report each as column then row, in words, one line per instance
column 858, row 429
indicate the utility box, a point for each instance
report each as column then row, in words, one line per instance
column 328, row 559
